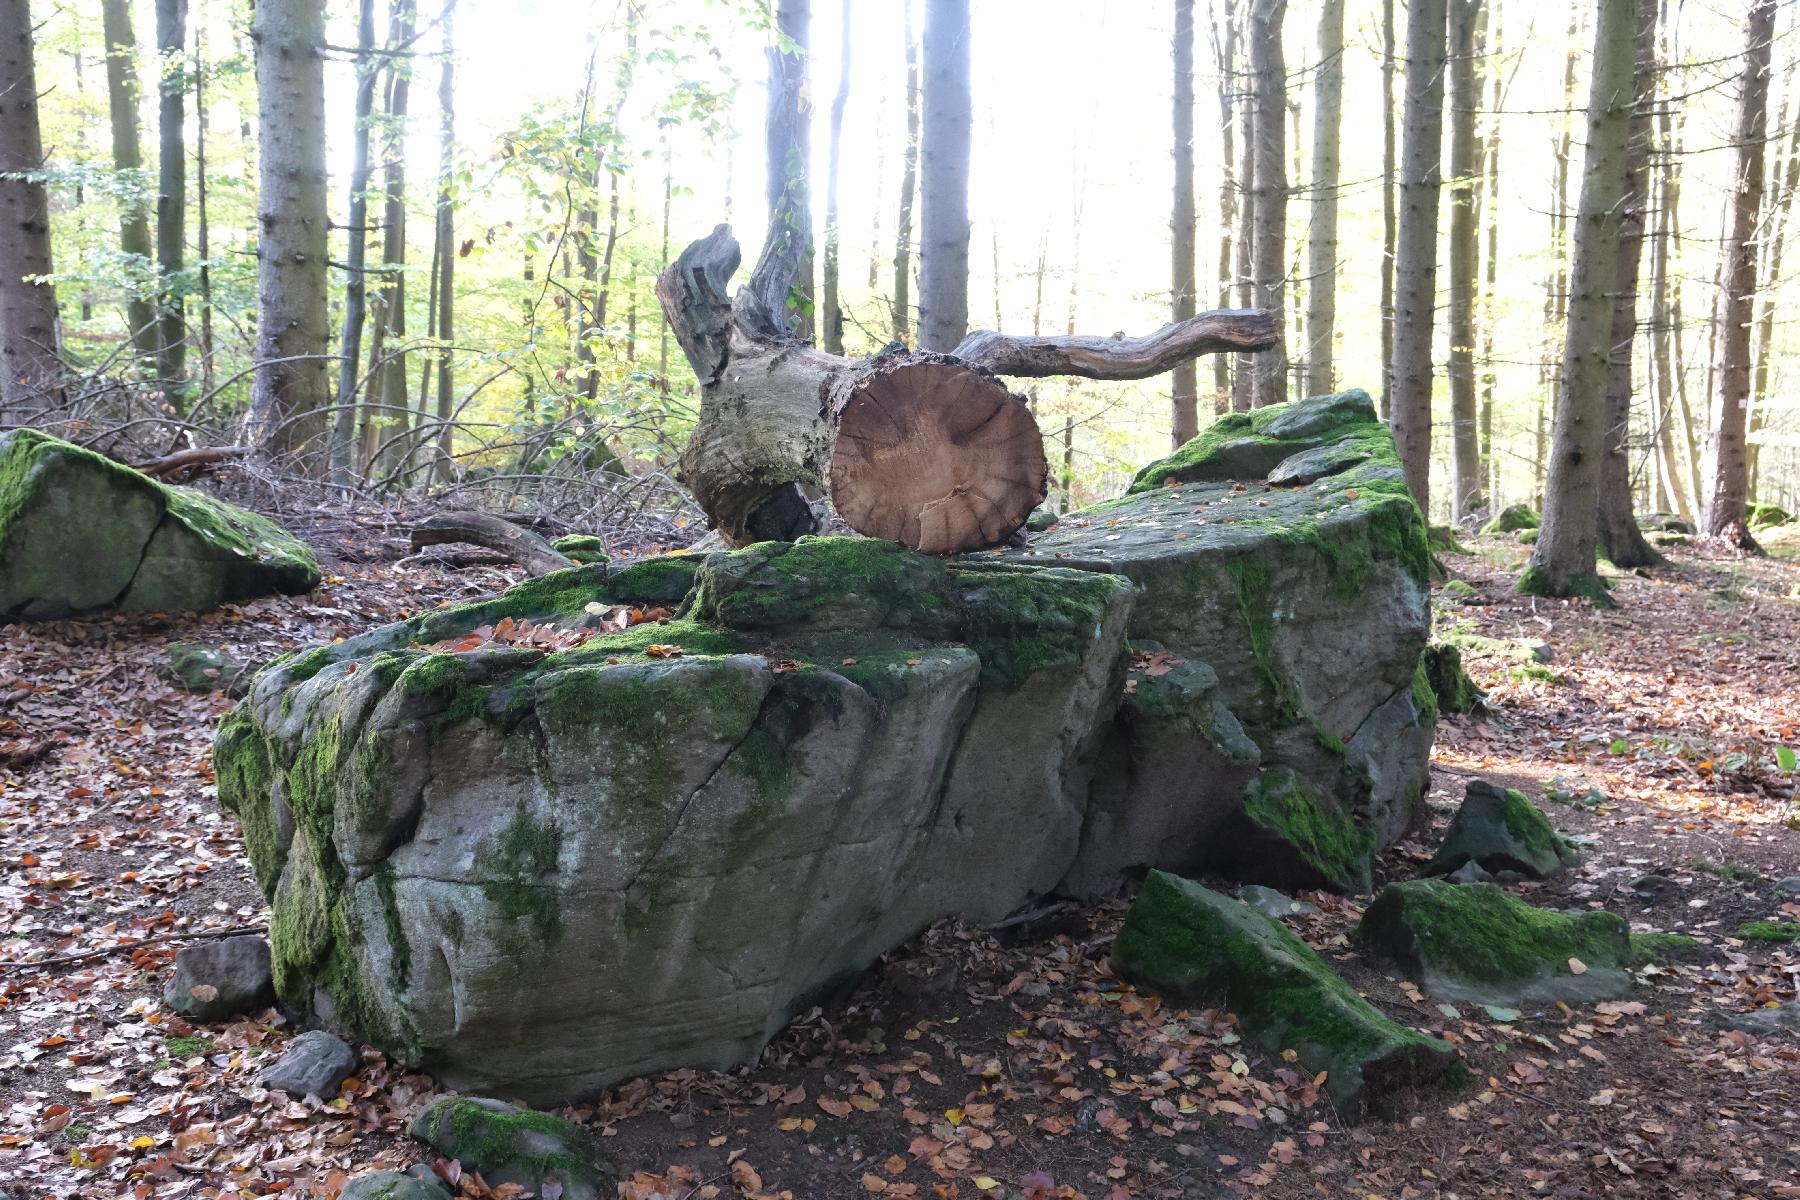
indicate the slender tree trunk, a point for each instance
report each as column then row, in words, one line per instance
column 292, row 387
column 1465, row 160
column 788, row 134
column 122, row 93
column 1662, row 333
column 202, row 232
column 1224, row 38
column 1321, row 231
column 1727, row 505
column 876, row 246
column 1556, row 289
column 1415, row 265
column 1243, row 387
column 1618, row 528
column 171, row 198
column 944, row 181
column 1268, row 82
column 1784, row 179
column 1389, row 214
column 1490, row 266
column 909, row 185
column 393, row 415
column 833, row 304
column 662, row 353
column 1562, row 559
column 603, row 294
column 356, row 278
column 30, row 356
column 446, row 238
column 1184, row 415
column 78, row 58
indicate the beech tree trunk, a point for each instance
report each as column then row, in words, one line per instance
column 1490, row 266
column 1415, row 264
column 944, row 184
column 392, row 412
column 171, row 199
column 446, row 254
column 909, row 185
column 356, row 279
column 927, row 449
column 1268, row 84
column 1465, row 100
column 832, row 308
column 291, row 388
column 1224, row 35
column 1619, row 533
column 202, row 234
column 788, row 143
column 30, row 356
column 1322, row 223
column 1727, row 505
column 1784, row 180
column 1556, row 287
column 1389, row 214
column 1562, row 559
column 1184, row 383
column 128, row 158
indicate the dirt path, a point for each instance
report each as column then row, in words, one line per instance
column 965, row 1066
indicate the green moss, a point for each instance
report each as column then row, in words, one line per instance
column 581, row 547
column 518, row 1145
column 244, row 771
column 1330, row 741
column 305, row 666
column 1443, row 541
column 1196, row 946
column 524, row 857
column 1333, row 846
column 1663, row 947
column 1534, row 581
column 665, row 579
column 432, row 674
column 1479, row 933
column 189, row 1047
column 1256, row 608
column 1529, row 826
column 834, row 582
column 399, row 949
column 1195, row 454
column 1423, row 694
column 1460, row 590
column 1535, row 673
column 1511, row 519
column 1454, row 691
column 1766, row 516
column 1768, row 931
column 559, row 594
column 690, row 637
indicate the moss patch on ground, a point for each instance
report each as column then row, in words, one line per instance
column 1768, row 931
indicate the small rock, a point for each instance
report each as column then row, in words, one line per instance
column 1538, row 648
column 218, row 979
column 1790, row 886
column 1503, row 831
column 316, row 1064
column 1763, row 1021
column 1276, row 904
column 508, row 1144
column 1654, row 885
column 1470, row 872
column 203, row 669
column 391, row 1185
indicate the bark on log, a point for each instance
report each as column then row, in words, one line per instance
column 916, row 466
column 185, row 460
column 522, row 546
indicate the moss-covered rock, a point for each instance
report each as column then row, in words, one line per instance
column 1664, row 947
column 1194, row 945
column 1454, row 691
column 1767, row 516
column 581, row 547
column 1293, row 837
column 1503, row 831
column 1255, row 444
column 511, row 1145
column 204, row 669
column 1666, row 523
column 1780, row 932
column 1475, row 942
column 392, row 1185
column 1512, row 519
column 82, row 534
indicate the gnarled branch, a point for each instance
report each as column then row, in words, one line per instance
column 1224, row 331
column 482, row 529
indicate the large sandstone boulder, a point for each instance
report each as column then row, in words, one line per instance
column 79, row 533
column 537, row 867
column 1308, row 602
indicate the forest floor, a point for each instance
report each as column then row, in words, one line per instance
column 964, row 1065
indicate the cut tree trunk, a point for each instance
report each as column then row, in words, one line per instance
column 929, row 450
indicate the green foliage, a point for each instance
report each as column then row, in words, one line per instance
column 1781, row 932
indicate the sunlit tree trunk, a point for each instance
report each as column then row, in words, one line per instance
column 122, row 93
column 1243, row 385
column 202, row 232
column 1184, row 416
column 1224, row 40
column 1465, row 101
column 30, row 357
column 1784, row 178
column 1389, row 215
column 1727, row 504
column 1556, row 287
column 1490, row 214
column 1322, row 223
column 171, row 198
column 909, row 185
column 1619, row 532
column 356, row 279
column 788, row 148
column 1562, row 559
column 392, row 416
column 1415, row 261
column 944, row 180
column 1268, row 83
column 292, row 387
column 447, row 252
column 832, row 307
